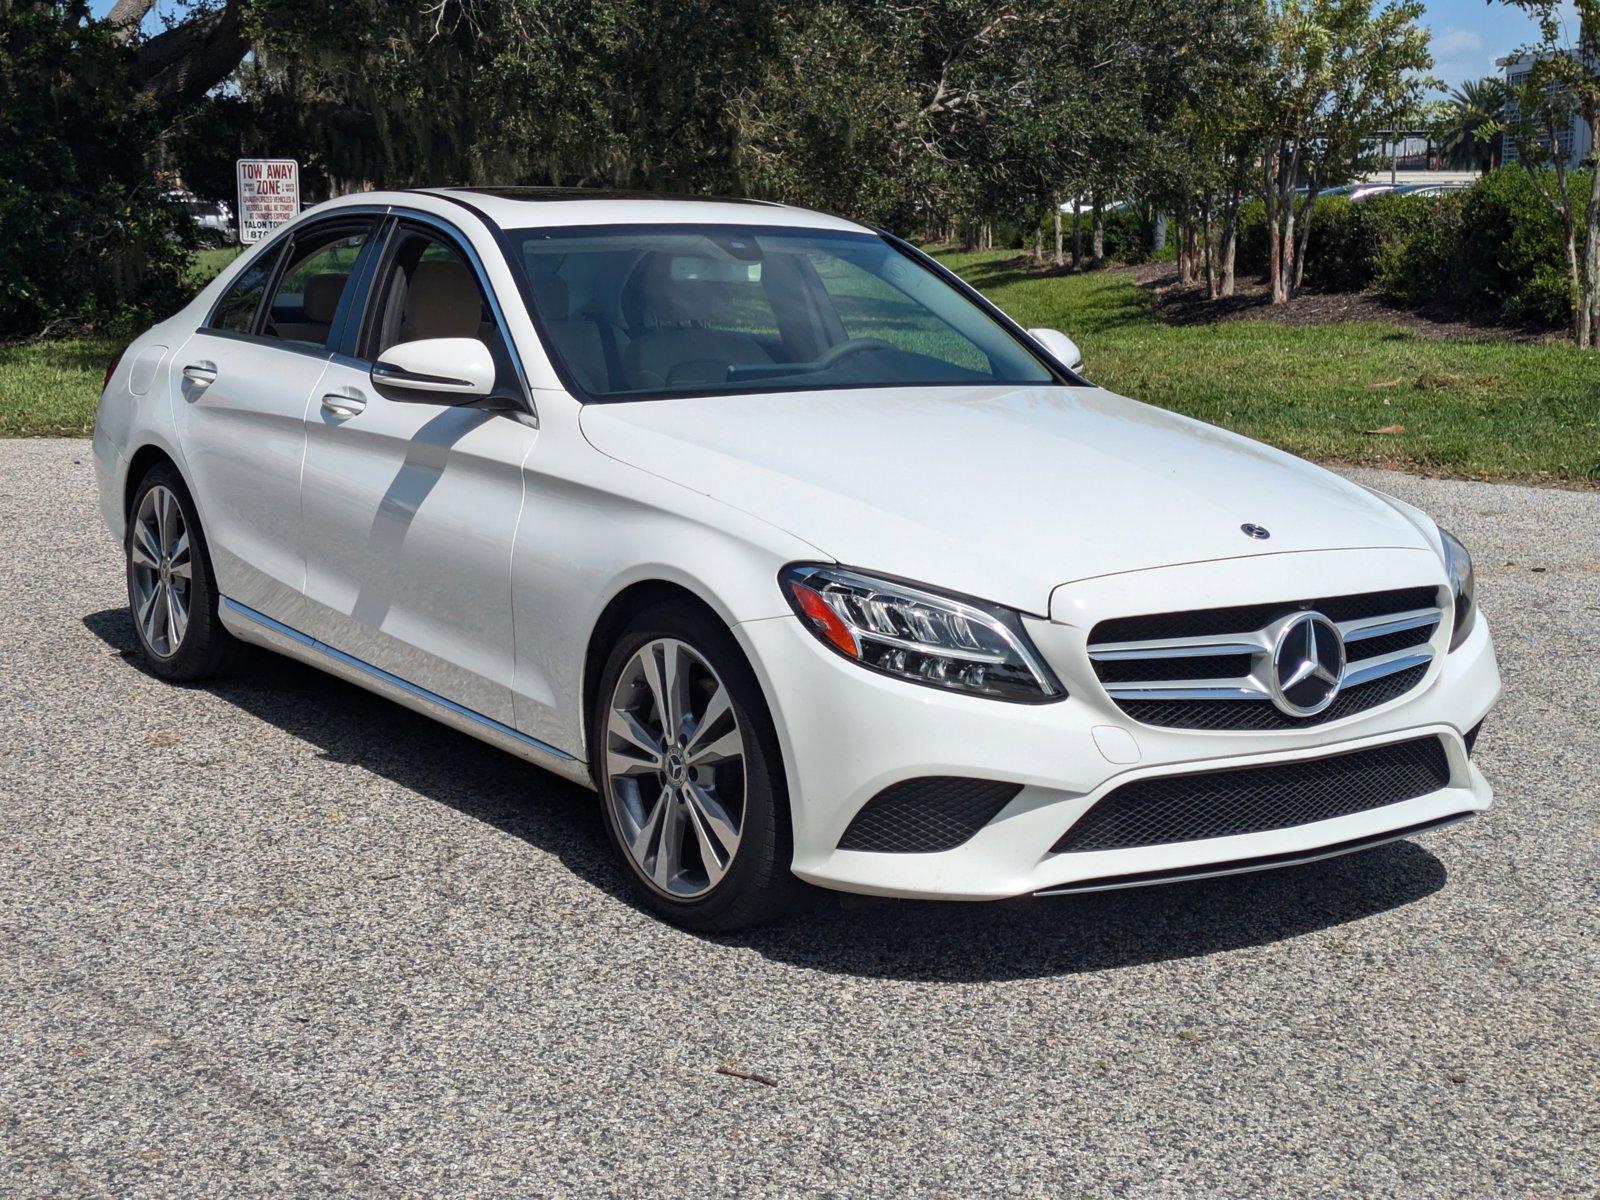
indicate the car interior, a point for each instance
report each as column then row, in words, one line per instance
column 709, row 312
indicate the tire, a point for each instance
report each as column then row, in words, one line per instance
column 722, row 776
column 182, row 566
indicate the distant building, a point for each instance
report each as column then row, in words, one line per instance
column 1573, row 141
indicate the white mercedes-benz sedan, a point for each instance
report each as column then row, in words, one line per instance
column 804, row 556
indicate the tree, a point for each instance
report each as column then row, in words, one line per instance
column 1563, row 85
column 1338, row 71
column 1466, row 124
column 1203, row 163
column 82, row 218
column 188, row 58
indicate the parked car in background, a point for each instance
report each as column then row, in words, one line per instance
column 213, row 217
column 1430, row 189
column 807, row 558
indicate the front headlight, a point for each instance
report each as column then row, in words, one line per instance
column 925, row 637
column 1458, row 565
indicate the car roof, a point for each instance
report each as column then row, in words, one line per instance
column 534, row 207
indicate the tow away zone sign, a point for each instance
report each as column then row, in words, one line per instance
column 269, row 195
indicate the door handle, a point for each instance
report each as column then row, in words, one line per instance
column 200, row 374
column 342, row 404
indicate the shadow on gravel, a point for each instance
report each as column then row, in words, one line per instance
column 889, row 939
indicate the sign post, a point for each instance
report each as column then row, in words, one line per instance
column 269, row 195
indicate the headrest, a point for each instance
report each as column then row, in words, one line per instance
column 442, row 301
column 321, row 297
column 552, row 297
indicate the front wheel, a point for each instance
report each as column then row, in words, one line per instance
column 689, row 774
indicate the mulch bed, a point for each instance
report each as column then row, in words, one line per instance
column 1187, row 305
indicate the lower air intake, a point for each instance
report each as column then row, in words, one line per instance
column 1214, row 804
column 923, row 816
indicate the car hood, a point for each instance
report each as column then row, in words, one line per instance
column 1003, row 493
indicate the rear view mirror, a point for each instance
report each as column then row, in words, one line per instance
column 435, row 371
column 1060, row 347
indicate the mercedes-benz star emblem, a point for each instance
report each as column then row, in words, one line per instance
column 1307, row 663
column 1259, row 532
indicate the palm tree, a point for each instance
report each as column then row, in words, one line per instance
column 1470, row 122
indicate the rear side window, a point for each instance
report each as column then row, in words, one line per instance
column 236, row 311
column 307, row 297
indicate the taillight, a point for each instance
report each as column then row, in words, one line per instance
column 111, row 369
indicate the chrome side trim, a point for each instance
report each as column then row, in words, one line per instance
column 405, row 685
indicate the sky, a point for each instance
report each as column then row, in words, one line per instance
column 1468, row 35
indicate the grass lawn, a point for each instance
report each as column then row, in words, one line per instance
column 1486, row 410
column 1479, row 410
column 49, row 389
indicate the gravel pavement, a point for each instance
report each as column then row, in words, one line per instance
column 280, row 937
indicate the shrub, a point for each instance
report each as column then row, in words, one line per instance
column 1420, row 265
column 1339, row 250
column 1250, row 256
column 1513, row 262
column 1494, row 250
column 1125, row 239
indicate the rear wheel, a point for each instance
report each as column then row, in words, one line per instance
column 690, row 778
column 171, row 590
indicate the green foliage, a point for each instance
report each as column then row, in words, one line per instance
column 1340, row 248
column 1422, row 265
column 1465, row 125
column 84, row 230
column 1493, row 251
column 1511, row 242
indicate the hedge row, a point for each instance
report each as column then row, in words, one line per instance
column 1494, row 250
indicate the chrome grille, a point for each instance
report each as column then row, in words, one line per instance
column 1210, row 669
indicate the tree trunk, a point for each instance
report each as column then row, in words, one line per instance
column 1206, row 249
column 1230, row 241
column 1055, row 208
column 1097, row 243
column 126, row 16
column 1589, row 293
column 1185, row 249
column 1077, row 235
column 1038, row 244
column 1580, row 304
column 1274, row 226
column 1304, row 237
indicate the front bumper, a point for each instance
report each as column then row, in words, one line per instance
column 846, row 734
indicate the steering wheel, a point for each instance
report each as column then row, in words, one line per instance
column 845, row 349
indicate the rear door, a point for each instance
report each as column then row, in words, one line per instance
column 409, row 507
column 243, row 383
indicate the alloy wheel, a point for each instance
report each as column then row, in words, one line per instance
column 162, row 571
column 675, row 768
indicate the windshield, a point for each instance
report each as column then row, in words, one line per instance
column 637, row 311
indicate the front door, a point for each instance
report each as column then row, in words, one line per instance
column 410, row 508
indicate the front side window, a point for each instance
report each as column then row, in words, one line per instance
column 640, row 311
column 313, row 282
column 426, row 289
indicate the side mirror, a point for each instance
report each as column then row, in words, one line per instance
column 435, row 371
column 1060, row 347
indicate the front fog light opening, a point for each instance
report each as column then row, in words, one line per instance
column 920, row 636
